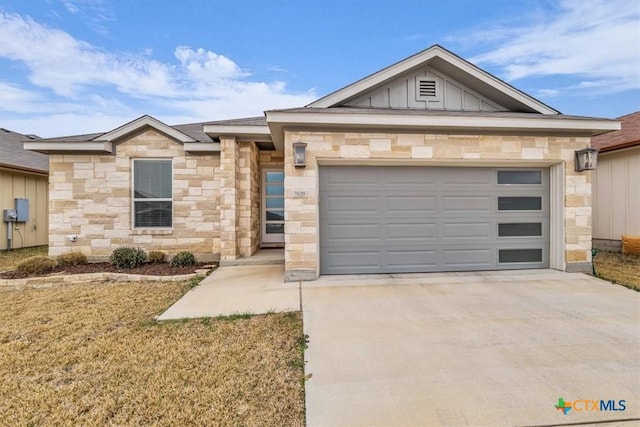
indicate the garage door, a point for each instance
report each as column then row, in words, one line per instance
column 426, row 219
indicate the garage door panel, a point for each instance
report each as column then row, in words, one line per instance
column 473, row 177
column 467, row 203
column 404, row 232
column 410, row 203
column 467, row 257
column 422, row 219
column 348, row 232
column 467, row 231
column 404, row 260
column 354, row 259
column 351, row 203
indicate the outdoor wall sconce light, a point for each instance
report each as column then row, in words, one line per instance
column 299, row 153
column 586, row 159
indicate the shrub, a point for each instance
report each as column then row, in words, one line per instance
column 182, row 259
column 127, row 257
column 71, row 258
column 36, row 265
column 157, row 257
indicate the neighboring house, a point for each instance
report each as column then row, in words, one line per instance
column 23, row 175
column 616, row 184
column 431, row 164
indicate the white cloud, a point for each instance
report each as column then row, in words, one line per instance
column 112, row 87
column 595, row 40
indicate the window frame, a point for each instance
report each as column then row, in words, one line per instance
column 135, row 199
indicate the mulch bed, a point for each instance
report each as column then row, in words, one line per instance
column 163, row 269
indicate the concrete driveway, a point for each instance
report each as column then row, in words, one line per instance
column 494, row 348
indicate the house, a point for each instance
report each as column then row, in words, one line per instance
column 616, row 184
column 430, row 164
column 23, row 175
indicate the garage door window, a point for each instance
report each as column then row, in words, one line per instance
column 517, row 256
column 520, row 229
column 519, row 203
column 520, row 177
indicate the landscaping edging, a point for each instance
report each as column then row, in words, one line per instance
column 75, row 279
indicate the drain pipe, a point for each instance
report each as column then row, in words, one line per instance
column 9, row 235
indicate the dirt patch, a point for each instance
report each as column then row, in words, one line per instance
column 163, row 269
column 93, row 355
column 618, row 268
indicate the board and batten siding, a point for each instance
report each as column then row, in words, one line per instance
column 447, row 94
column 616, row 194
column 34, row 187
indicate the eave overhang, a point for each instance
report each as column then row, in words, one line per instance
column 241, row 133
column 202, row 147
column 103, row 147
column 324, row 119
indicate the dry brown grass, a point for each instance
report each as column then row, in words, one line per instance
column 618, row 268
column 9, row 260
column 92, row 355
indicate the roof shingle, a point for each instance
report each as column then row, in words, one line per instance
column 12, row 153
column 628, row 136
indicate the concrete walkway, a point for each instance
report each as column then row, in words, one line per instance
column 469, row 349
column 255, row 289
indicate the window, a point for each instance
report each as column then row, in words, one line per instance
column 519, row 203
column 508, row 256
column 519, row 229
column 520, row 177
column 152, row 193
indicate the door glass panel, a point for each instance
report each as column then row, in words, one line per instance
column 277, row 203
column 519, row 177
column 275, row 228
column 275, row 190
column 506, row 256
column 519, row 203
column 275, row 177
column 275, row 215
column 520, row 229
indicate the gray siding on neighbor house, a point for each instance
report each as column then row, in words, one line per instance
column 424, row 219
column 448, row 94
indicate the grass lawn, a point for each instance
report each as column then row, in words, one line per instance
column 10, row 259
column 618, row 268
column 93, row 355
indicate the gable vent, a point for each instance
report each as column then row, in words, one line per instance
column 427, row 88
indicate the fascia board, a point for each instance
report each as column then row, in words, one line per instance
column 435, row 122
column 200, row 147
column 69, row 147
column 217, row 130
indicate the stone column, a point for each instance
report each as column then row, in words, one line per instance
column 229, row 171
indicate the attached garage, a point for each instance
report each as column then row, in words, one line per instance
column 406, row 219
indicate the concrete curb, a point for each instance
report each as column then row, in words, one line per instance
column 75, row 279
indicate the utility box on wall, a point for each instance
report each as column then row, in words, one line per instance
column 22, row 209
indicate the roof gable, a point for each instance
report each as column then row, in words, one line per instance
column 446, row 67
column 140, row 123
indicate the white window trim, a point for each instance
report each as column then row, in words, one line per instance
column 134, row 199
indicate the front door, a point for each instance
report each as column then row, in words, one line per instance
column 272, row 207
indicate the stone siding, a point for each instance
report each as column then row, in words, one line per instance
column 91, row 197
column 301, row 184
column 248, row 200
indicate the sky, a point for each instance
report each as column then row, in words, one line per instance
column 82, row 66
